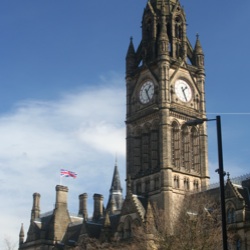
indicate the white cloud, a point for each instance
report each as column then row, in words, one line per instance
column 81, row 131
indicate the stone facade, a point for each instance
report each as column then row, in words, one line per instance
column 165, row 80
column 166, row 159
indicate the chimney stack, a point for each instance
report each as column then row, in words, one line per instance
column 61, row 196
column 61, row 218
column 98, row 206
column 35, row 212
column 83, row 206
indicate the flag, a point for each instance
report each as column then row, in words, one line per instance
column 67, row 173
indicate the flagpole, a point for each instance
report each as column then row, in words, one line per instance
column 60, row 179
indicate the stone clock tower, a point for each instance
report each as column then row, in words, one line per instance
column 165, row 80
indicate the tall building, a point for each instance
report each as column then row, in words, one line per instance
column 165, row 80
column 166, row 159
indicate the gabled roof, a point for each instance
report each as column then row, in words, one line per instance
column 233, row 190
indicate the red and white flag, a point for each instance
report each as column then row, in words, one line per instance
column 67, row 173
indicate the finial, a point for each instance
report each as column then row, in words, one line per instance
column 228, row 176
column 131, row 39
column 197, row 36
column 115, row 159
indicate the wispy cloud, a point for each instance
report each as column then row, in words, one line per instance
column 82, row 131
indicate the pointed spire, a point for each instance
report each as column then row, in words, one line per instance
column 116, row 183
column 21, row 235
column 130, row 58
column 131, row 49
column 115, row 196
column 198, row 49
column 198, row 54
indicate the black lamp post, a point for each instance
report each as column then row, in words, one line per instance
column 220, row 172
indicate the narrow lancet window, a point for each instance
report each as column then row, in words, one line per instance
column 176, row 145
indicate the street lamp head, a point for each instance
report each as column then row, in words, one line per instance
column 195, row 122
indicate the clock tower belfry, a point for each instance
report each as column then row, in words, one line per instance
column 165, row 80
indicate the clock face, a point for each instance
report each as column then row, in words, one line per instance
column 183, row 90
column 146, row 92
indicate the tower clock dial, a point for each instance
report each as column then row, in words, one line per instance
column 146, row 92
column 183, row 90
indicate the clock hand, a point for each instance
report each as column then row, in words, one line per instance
column 146, row 90
column 183, row 91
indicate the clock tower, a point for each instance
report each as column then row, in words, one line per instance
column 165, row 80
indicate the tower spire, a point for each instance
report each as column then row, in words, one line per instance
column 21, row 235
column 115, row 192
column 130, row 58
column 198, row 53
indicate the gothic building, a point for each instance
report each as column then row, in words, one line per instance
column 54, row 229
column 166, row 159
column 165, row 80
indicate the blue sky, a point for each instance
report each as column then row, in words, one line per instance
column 62, row 67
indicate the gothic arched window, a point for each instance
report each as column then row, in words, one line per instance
column 195, row 149
column 231, row 215
column 145, row 151
column 196, row 185
column 178, row 28
column 137, row 150
column 176, row 145
column 154, row 138
column 176, row 182
column 185, row 148
column 186, row 183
